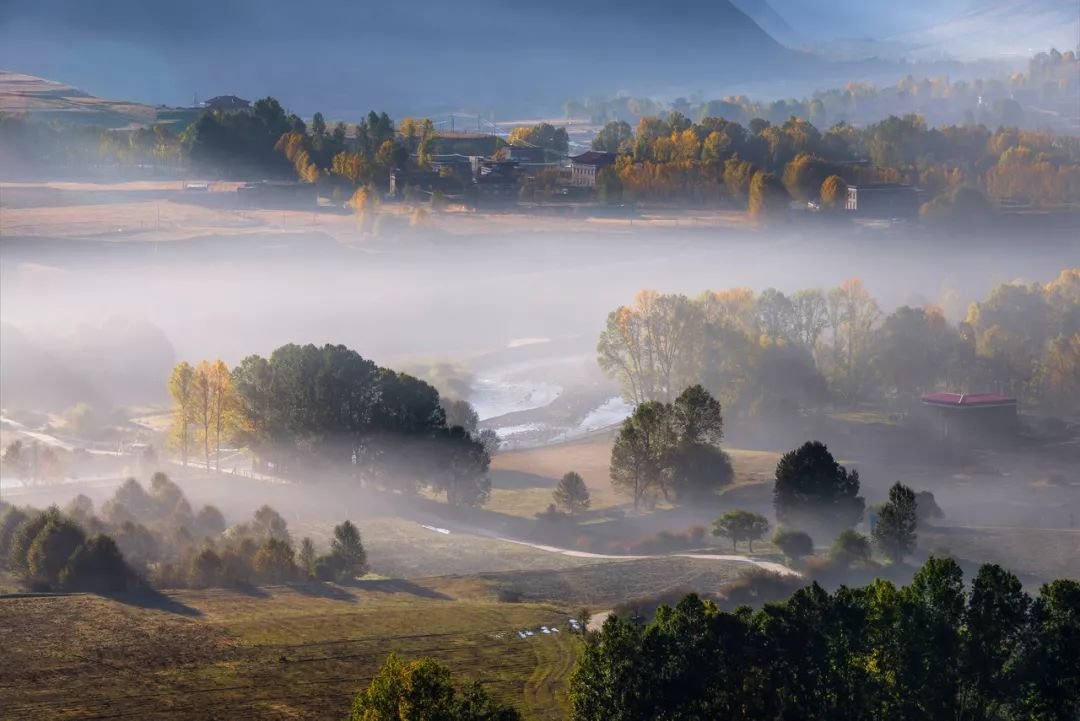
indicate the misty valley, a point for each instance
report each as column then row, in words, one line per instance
column 736, row 378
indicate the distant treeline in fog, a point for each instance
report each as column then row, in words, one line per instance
column 770, row 353
column 152, row 536
column 1052, row 81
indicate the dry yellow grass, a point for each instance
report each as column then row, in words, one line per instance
column 125, row 215
column 273, row 653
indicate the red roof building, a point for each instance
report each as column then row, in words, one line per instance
column 968, row 400
column 972, row 417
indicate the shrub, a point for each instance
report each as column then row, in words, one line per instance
column 53, row 546
column 96, row 566
column 756, row 586
column 850, row 547
column 348, row 546
column 236, row 564
column 209, row 522
column 424, row 689
column 307, row 557
column 10, row 519
column 269, row 522
column 205, row 570
column 794, row 544
column 24, row 536
column 273, row 562
column 329, row 568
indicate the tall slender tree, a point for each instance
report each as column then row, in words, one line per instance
column 182, row 391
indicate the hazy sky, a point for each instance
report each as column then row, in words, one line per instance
column 345, row 57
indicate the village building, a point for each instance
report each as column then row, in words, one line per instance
column 496, row 182
column 971, row 417
column 226, row 103
column 585, row 167
column 883, row 201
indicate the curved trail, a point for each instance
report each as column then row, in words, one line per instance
column 767, row 565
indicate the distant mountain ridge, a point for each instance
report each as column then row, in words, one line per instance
column 343, row 57
column 1008, row 27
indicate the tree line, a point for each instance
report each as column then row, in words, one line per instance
column 1050, row 79
column 151, row 537
column 326, row 412
column 934, row 649
column 671, row 158
column 772, row 353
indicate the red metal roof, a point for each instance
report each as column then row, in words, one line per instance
column 968, row 399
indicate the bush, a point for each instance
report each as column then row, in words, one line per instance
column 10, row 520
column 24, row 536
column 756, row 586
column 96, row 566
column 274, row 562
column 850, row 547
column 348, row 546
column 269, row 522
column 424, row 689
column 53, row 546
column 209, row 522
column 794, row 544
column 205, row 570
column 329, row 568
column 666, row 542
column 137, row 544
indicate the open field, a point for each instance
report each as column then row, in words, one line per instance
column 159, row 211
column 523, row 479
column 596, row 585
column 405, row 549
column 275, row 653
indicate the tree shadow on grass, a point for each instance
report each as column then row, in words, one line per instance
column 153, row 600
column 519, row 480
column 323, row 590
column 399, row 585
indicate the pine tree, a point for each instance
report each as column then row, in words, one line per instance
column 572, row 495
column 894, row 532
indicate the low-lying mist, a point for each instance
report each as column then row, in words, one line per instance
column 449, row 297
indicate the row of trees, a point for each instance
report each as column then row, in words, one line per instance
column 771, row 352
column 153, row 534
column 894, row 532
column 673, row 158
column 328, row 412
column 931, row 650
column 1050, row 79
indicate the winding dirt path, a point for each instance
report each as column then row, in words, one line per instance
column 767, row 565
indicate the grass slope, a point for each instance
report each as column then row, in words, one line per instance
column 276, row 653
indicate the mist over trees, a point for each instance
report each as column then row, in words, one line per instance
column 307, row 412
column 933, row 649
column 812, row 490
column 671, row 450
column 770, row 354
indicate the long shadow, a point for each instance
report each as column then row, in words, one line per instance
column 519, row 480
column 323, row 590
column 153, row 600
column 399, row 585
column 251, row 590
